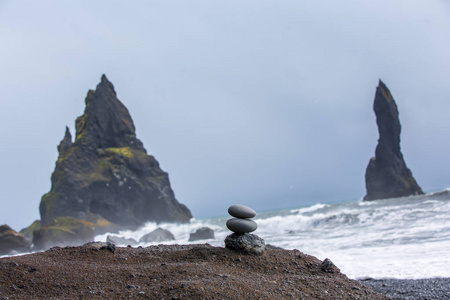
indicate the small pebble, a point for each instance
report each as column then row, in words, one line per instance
column 329, row 267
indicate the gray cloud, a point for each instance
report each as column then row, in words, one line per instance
column 253, row 102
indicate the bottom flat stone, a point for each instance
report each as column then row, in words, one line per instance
column 246, row 242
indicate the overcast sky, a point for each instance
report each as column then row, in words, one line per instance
column 264, row 103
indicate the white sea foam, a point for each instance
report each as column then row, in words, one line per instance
column 395, row 238
column 309, row 208
column 181, row 232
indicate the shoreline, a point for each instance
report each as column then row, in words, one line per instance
column 394, row 288
column 290, row 269
column 426, row 288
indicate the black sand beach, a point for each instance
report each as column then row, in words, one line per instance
column 192, row 272
column 431, row 288
column 173, row 272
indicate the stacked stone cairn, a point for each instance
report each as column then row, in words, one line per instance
column 242, row 240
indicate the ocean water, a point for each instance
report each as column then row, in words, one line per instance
column 403, row 238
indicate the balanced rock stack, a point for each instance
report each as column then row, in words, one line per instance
column 241, row 225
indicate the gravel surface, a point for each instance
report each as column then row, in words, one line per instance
column 173, row 272
column 432, row 288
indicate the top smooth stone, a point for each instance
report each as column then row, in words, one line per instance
column 241, row 211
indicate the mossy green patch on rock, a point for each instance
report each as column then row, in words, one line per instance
column 102, row 222
column 63, row 231
column 28, row 231
column 68, row 223
column 123, row 151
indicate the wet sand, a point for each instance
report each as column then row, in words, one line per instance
column 431, row 288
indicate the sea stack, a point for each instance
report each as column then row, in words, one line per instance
column 105, row 176
column 387, row 175
column 241, row 240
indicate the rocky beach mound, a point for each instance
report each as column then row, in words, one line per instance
column 102, row 271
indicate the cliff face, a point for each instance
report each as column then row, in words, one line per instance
column 106, row 175
column 387, row 175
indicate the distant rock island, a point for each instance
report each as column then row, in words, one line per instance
column 105, row 176
column 387, row 175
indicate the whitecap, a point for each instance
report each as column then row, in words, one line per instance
column 310, row 208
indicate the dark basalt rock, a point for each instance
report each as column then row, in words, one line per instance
column 109, row 247
column 13, row 242
column 120, row 241
column 387, row 175
column 203, row 233
column 100, row 246
column 106, row 176
column 329, row 267
column 246, row 243
column 157, row 235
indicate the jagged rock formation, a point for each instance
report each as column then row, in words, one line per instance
column 203, row 233
column 157, row 235
column 106, row 176
column 387, row 175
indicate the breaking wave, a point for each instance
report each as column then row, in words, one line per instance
column 395, row 238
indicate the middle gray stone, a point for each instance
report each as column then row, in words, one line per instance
column 241, row 225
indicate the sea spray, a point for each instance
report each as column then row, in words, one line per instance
column 396, row 238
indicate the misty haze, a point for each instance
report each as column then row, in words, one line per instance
column 266, row 104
